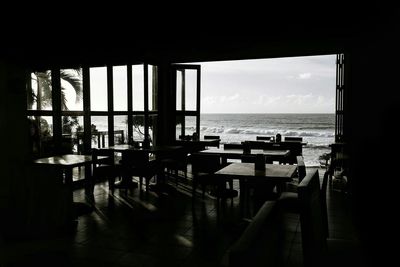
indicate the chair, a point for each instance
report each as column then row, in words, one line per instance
column 255, row 144
column 318, row 250
column 301, row 173
column 261, row 243
column 137, row 163
column 233, row 146
column 263, row 138
column 213, row 140
column 212, row 137
column 175, row 162
column 203, row 168
column 293, row 139
column 104, row 168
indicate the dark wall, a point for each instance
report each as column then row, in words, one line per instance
column 14, row 144
column 374, row 108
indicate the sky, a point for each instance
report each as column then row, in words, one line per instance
column 279, row 85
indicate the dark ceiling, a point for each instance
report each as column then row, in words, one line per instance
column 296, row 34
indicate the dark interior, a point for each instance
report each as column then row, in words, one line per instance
column 369, row 40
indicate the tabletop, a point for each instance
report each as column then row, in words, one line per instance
column 281, row 173
column 68, row 160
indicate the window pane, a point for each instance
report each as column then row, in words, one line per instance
column 190, row 125
column 138, row 87
column 39, row 96
column 120, row 129
column 120, row 85
column 72, row 134
column 71, row 89
column 152, row 129
column 138, row 127
column 153, row 84
column 41, row 136
column 178, row 127
column 179, row 78
column 98, row 89
column 190, row 89
column 99, row 130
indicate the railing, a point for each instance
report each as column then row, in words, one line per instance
column 100, row 138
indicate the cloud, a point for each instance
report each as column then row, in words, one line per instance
column 304, row 76
column 267, row 100
column 209, row 100
column 224, row 98
column 299, row 99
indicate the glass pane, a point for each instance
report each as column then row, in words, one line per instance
column 99, row 130
column 178, row 128
column 71, row 89
column 98, row 89
column 72, row 134
column 138, row 87
column 39, row 96
column 120, row 129
column 190, row 89
column 120, row 83
column 179, row 77
column 190, row 125
column 41, row 136
column 153, row 129
column 138, row 127
column 153, row 84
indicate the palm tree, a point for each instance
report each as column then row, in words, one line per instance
column 42, row 94
column 40, row 97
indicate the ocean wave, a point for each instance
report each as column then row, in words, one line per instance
column 244, row 131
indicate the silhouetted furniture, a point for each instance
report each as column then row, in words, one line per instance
column 263, row 180
column 293, row 139
column 176, row 161
column 186, row 137
column 65, row 164
column 317, row 249
column 263, row 138
column 235, row 153
column 105, row 167
column 197, row 145
column 212, row 137
column 301, row 173
column 295, row 148
column 289, row 199
column 254, row 144
column 204, row 167
column 100, row 138
column 136, row 162
column 233, row 146
column 261, row 244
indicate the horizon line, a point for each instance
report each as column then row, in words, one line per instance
column 267, row 112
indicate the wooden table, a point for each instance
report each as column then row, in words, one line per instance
column 65, row 163
column 273, row 154
column 246, row 173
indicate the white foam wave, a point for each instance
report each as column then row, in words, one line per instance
column 246, row 131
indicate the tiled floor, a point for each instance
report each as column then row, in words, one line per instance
column 130, row 229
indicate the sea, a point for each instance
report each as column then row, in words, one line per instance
column 317, row 130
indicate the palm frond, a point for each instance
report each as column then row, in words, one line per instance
column 63, row 101
column 45, row 88
column 73, row 77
